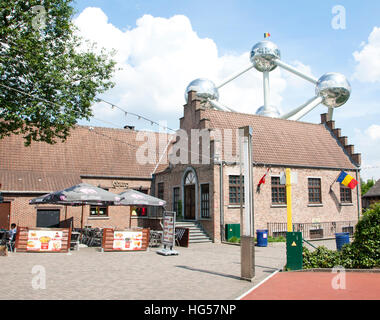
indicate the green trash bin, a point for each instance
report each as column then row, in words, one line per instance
column 232, row 230
column 294, row 250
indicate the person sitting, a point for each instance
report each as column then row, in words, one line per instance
column 12, row 237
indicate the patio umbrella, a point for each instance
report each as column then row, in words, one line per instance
column 135, row 198
column 82, row 193
column 132, row 197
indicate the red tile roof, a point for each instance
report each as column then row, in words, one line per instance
column 97, row 152
column 285, row 142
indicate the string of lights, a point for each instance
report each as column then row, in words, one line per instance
column 138, row 116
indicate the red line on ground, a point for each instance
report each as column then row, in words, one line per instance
column 318, row 286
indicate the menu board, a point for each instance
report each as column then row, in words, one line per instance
column 169, row 228
column 44, row 240
column 127, row 240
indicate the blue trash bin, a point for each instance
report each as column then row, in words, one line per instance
column 262, row 238
column 341, row 239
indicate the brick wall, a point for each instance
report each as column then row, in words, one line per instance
column 302, row 212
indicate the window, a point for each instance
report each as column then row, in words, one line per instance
column 314, row 186
column 190, row 178
column 96, row 211
column 160, row 190
column 205, row 201
column 345, row 194
column 278, row 191
column 175, row 200
column 234, row 189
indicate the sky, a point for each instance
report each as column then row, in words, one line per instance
column 162, row 45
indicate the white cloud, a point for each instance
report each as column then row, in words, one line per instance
column 368, row 58
column 373, row 132
column 159, row 57
column 366, row 142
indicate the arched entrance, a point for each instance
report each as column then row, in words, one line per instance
column 190, row 194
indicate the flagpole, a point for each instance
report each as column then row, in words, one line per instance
column 334, row 181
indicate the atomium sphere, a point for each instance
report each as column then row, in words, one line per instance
column 271, row 111
column 263, row 54
column 334, row 88
column 205, row 89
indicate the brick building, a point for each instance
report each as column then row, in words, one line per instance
column 208, row 193
column 372, row 195
column 103, row 157
column 204, row 188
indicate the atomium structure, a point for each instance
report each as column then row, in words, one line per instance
column 332, row 89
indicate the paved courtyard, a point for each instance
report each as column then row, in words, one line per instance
column 202, row 271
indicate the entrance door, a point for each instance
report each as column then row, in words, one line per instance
column 5, row 211
column 48, row 218
column 190, row 202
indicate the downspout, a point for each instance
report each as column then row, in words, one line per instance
column 221, row 195
column 358, row 193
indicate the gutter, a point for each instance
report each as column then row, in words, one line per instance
column 114, row 177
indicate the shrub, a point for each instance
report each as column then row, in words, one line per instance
column 234, row 239
column 363, row 252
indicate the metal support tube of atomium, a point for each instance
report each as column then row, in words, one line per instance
column 311, row 104
column 234, row 76
column 266, row 90
column 218, row 105
column 296, row 110
column 330, row 114
column 295, row 71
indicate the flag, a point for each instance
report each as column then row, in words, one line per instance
column 262, row 180
column 266, row 35
column 348, row 181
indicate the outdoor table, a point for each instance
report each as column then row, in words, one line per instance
column 43, row 239
column 134, row 239
column 3, row 237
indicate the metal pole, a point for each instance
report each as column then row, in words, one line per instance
column 247, row 245
column 289, row 200
column 221, row 195
column 266, row 90
column 295, row 71
column 358, row 193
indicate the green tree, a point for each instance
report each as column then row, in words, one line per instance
column 48, row 77
column 365, row 186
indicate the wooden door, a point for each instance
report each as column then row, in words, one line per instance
column 190, row 202
column 5, row 211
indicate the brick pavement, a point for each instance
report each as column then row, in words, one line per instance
column 202, row 271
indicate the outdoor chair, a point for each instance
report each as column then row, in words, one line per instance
column 3, row 238
column 155, row 238
column 74, row 241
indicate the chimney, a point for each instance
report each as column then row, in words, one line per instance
column 323, row 118
column 337, row 132
column 331, row 124
column 350, row 149
column 357, row 157
column 343, row 141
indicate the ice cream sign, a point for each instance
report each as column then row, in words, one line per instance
column 127, row 240
column 43, row 240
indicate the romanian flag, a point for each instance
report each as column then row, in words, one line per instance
column 347, row 180
column 266, row 35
